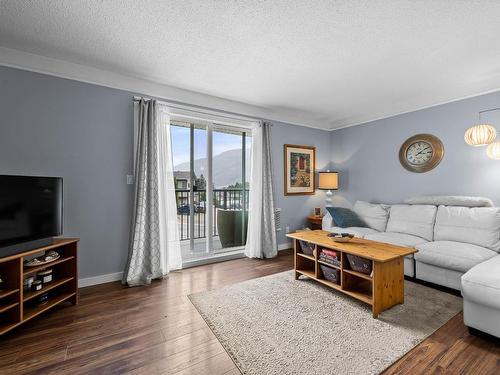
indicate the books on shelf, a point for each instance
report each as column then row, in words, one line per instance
column 329, row 256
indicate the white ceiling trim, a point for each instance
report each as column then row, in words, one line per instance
column 59, row 68
column 383, row 117
column 46, row 65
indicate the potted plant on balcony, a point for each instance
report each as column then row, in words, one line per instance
column 232, row 227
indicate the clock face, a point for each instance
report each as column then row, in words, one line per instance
column 419, row 153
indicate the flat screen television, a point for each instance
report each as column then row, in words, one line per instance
column 31, row 212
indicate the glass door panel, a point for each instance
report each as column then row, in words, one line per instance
column 230, row 166
column 211, row 173
column 189, row 148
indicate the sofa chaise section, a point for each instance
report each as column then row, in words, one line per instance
column 481, row 292
column 463, row 238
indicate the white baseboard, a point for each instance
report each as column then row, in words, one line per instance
column 285, row 246
column 95, row 280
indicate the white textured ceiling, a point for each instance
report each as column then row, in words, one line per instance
column 334, row 63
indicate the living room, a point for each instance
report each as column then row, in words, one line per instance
column 249, row 187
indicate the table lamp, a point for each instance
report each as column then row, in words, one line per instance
column 328, row 181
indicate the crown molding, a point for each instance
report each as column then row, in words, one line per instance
column 59, row 68
column 416, row 109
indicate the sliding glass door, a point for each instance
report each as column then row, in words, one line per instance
column 211, row 170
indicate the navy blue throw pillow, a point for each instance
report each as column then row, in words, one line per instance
column 345, row 218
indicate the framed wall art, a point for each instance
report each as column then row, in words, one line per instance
column 300, row 166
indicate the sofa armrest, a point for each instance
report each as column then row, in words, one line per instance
column 327, row 222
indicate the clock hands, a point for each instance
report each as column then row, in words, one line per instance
column 418, row 153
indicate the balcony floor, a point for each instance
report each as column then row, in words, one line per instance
column 199, row 251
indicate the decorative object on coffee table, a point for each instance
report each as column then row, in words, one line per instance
column 382, row 289
column 340, row 237
column 328, row 181
column 300, row 165
column 317, row 211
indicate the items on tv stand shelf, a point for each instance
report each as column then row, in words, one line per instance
column 58, row 279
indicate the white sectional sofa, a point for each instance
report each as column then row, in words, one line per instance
column 450, row 239
column 458, row 247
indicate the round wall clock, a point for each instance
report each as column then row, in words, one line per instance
column 421, row 153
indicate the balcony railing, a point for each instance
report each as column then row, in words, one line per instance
column 228, row 199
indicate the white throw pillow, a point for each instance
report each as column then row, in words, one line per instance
column 374, row 215
column 478, row 226
column 417, row 220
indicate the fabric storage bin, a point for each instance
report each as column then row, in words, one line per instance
column 330, row 274
column 359, row 264
column 307, row 247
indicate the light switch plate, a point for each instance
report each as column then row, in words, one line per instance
column 130, row 179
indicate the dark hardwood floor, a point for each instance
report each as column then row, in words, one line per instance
column 156, row 330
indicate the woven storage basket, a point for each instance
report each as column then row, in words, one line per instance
column 307, row 247
column 330, row 274
column 359, row 264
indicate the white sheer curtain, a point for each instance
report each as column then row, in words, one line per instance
column 154, row 239
column 261, row 238
column 171, row 256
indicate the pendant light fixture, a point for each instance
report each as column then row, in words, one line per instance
column 493, row 150
column 480, row 135
column 484, row 135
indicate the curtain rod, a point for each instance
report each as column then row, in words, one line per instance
column 200, row 110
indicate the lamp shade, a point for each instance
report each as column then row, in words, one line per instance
column 493, row 150
column 480, row 135
column 328, row 180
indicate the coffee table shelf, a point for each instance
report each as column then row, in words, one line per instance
column 358, row 274
column 329, row 265
column 382, row 289
column 306, row 256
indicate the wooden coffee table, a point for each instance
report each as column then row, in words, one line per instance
column 382, row 289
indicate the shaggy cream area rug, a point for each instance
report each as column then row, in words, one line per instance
column 278, row 325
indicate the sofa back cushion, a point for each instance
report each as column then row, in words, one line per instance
column 345, row 218
column 478, row 226
column 417, row 220
column 374, row 215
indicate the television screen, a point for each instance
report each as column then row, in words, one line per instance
column 30, row 208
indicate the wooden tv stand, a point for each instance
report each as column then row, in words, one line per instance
column 381, row 290
column 18, row 306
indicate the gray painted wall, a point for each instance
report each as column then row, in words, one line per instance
column 83, row 133
column 296, row 208
column 367, row 155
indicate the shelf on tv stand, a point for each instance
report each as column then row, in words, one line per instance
column 17, row 305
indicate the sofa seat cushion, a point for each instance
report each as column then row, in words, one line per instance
column 417, row 220
column 398, row 239
column 457, row 256
column 481, row 284
column 374, row 215
column 479, row 226
column 360, row 232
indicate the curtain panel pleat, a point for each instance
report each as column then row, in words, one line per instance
column 261, row 239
